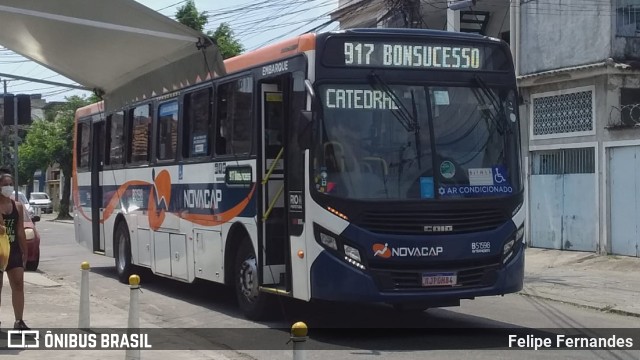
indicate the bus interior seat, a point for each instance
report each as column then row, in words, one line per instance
column 376, row 165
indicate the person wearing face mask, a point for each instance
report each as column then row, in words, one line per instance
column 11, row 224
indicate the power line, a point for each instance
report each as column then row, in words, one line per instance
column 79, row 87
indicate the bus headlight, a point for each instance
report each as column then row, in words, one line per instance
column 520, row 233
column 353, row 256
column 339, row 247
column 328, row 241
column 352, row 253
column 510, row 246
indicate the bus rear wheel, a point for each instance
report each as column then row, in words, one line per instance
column 254, row 304
column 122, row 250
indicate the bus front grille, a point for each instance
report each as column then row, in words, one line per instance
column 431, row 222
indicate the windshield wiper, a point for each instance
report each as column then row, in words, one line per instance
column 401, row 114
column 495, row 103
column 409, row 120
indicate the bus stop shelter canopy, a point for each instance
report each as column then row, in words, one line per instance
column 120, row 49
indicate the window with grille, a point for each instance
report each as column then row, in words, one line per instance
column 564, row 161
column 628, row 17
column 563, row 114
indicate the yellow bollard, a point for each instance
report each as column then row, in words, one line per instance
column 84, row 318
column 134, row 316
column 299, row 337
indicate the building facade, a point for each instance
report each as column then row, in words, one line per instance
column 579, row 78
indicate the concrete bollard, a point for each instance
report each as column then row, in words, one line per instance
column 84, row 320
column 299, row 337
column 134, row 313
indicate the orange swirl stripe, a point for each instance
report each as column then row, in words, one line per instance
column 200, row 219
column 217, row 219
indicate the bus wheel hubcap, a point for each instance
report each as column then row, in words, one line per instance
column 248, row 279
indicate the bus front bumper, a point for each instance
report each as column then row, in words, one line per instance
column 336, row 280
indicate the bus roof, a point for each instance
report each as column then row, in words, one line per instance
column 415, row 32
column 90, row 109
column 279, row 50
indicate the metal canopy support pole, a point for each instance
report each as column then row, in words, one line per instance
column 15, row 145
column 453, row 20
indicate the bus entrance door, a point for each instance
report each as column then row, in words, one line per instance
column 273, row 227
column 97, row 162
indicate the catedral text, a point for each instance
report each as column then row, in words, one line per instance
column 359, row 99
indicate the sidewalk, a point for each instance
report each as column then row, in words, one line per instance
column 54, row 306
column 602, row 282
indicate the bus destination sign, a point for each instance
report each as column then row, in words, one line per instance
column 416, row 55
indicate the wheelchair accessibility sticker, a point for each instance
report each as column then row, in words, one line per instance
column 482, row 182
column 487, row 176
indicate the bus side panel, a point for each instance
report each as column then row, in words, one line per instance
column 112, row 180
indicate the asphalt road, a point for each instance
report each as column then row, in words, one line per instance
column 345, row 331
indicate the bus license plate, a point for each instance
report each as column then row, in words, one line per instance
column 439, row 279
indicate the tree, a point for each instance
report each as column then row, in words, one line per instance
column 227, row 43
column 50, row 141
column 32, row 153
column 188, row 15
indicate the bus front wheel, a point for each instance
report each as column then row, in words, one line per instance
column 122, row 252
column 253, row 303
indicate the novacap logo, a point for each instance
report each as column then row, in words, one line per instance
column 382, row 251
column 160, row 198
column 385, row 252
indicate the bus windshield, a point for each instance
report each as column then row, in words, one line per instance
column 407, row 142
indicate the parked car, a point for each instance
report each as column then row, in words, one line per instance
column 42, row 201
column 33, row 240
column 23, row 199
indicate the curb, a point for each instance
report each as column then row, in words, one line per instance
column 61, row 221
column 605, row 309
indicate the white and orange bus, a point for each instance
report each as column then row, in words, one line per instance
column 371, row 165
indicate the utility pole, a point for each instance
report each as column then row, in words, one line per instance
column 413, row 9
column 16, row 140
column 5, row 86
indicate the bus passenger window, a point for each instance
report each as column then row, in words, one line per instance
column 197, row 117
column 139, row 148
column 274, row 120
column 84, row 139
column 234, row 127
column 167, row 130
column 116, row 138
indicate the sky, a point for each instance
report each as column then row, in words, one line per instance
column 255, row 23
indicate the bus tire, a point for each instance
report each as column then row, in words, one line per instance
column 254, row 304
column 122, row 252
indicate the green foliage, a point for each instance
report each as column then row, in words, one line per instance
column 227, row 43
column 189, row 15
column 50, row 141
